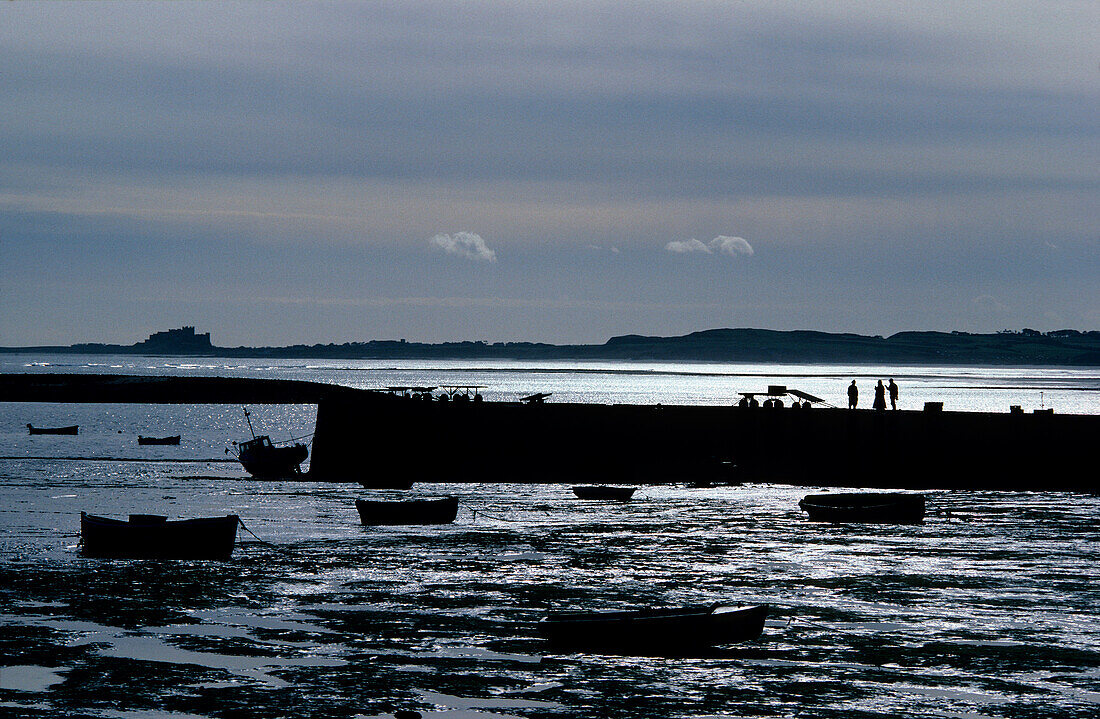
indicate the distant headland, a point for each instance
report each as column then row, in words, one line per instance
column 1023, row 347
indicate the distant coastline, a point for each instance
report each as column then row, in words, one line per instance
column 1025, row 347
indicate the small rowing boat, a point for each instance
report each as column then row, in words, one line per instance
column 413, row 511
column 865, row 507
column 617, row 494
column 71, row 429
column 175, row 439
column 152, row 536
column 654, row 631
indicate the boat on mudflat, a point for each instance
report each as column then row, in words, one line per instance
column 175, row 439
column 71, row 429
column 864, row 507
column 263, row 459
column 413, row 511
column 654, row 631
column 153, row 536
column 618, row 494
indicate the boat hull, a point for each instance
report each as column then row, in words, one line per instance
column 154, row 537
column 415, row 511
column 655, row 630
column 72, row 429
column 274, row 462
column 159, row 440
column 617, row 494
column 865, row 507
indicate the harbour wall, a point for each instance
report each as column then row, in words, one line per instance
column 381, row 439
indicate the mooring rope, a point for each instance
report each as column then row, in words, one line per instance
column 245, row 528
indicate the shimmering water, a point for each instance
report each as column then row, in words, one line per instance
column 988, row 609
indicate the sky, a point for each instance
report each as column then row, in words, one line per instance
column 281, row 173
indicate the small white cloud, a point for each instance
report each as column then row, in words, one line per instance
column 465, row 244
column 683, row 246
column 731, row 245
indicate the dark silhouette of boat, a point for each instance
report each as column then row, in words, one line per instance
column 262, row 458
column 159, row 440
column 618, row 494
column 866, row 507
column 71, row 429
column 413, row 511
column 654, row 631
column 152, row 536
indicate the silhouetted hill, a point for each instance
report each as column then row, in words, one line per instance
column 1026, row 347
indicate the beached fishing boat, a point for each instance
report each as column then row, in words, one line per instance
column 71, row 429
column 152, row 536
column 413, row 511
column 866, row 507
column 262, row 458
column 159, row 440
column 654, row 631
column 618, row 494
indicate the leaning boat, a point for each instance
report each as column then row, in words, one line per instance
column 175, row 439
column 618, row 494
column 413, row 511
column 71, row 429
column 262, row 458
column 152, row 536
column 866, row 507
column 654, row 631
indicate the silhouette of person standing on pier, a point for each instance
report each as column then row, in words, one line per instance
column 853, row 395
column 893, row 394
column 880, row 397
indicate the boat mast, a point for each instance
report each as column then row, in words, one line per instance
column 246, row 419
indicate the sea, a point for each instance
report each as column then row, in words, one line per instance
column 989, row 608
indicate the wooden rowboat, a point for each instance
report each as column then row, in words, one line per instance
column 151, row 536
column 618, row 494
column 71, row 429
column 866, row 507
column 654, row 631
column 413, row 511
column 159, row 440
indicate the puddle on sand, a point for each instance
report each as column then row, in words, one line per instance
column 30, row 678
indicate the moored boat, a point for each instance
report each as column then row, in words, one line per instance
column 865, row 507
column 175, row 439
column 71, row 429
column 262, row 458
column 654, row 630
column 414, row 511
column 618, row 494
column 151, row 536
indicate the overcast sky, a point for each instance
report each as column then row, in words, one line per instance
column 562, row 172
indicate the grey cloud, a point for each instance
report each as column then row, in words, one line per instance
column 465, row 244
column 725, row 244
column 682, row 247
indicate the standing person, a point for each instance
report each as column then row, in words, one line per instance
column 880, row 397
column 853, row 395
column 893, row 394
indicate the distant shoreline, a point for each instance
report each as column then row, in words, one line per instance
column 1062, row 348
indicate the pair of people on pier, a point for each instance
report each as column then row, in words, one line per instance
column 880, row 395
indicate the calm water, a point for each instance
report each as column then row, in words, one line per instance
column 988, row 609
